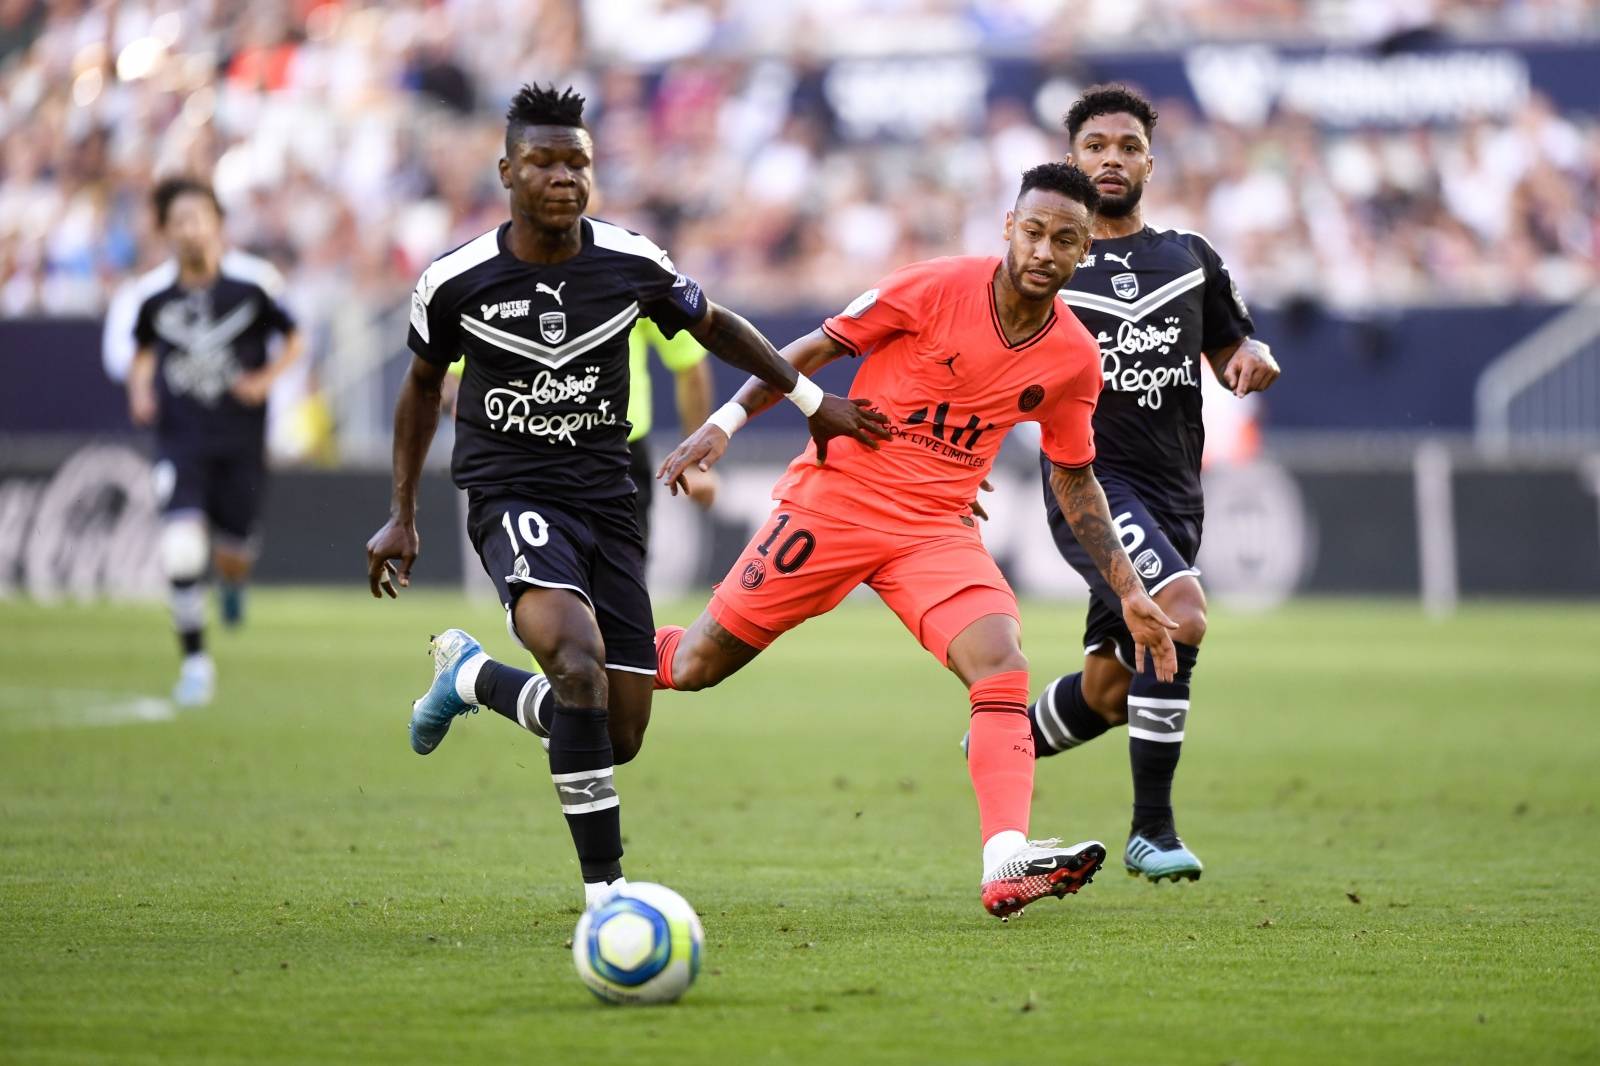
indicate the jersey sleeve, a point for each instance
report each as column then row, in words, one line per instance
column 1066, row 429
column 898, row 304
column 144, row 327
column 672, row 300
column 434, row 333
column 276, row 317
column 1227, row 320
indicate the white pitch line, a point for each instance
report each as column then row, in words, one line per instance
column 26, row 707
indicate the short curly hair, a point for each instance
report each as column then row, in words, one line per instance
column 542, row 105
column 1100, row 100
column 1063, row 178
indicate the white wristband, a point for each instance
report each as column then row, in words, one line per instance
column 729, row 417
column 806, row 394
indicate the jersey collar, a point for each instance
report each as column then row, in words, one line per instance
column 994, row 318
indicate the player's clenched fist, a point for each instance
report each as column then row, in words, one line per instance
column 396, row 541
column 842, row 417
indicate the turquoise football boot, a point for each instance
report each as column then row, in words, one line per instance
column 1158, row 853
column 431, row 715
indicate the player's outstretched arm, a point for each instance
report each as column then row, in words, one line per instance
column 1083, row 503
column 416, row 416
column 724, row 333
column 1246, row 366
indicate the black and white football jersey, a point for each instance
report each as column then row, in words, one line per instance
column 203, row 339
column 544, row 396
column 1156, row 301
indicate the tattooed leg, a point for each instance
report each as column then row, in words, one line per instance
column 699, row 657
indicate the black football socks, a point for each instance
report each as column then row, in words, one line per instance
column 1061, row 719
column 1157, row 712
column 581, row 767
column 521, row 696
column 187, row 600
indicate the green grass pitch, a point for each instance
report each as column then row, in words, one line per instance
column 1398, row 818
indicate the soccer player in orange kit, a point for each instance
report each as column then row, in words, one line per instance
column 956, row 352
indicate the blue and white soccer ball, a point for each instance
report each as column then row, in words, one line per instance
column 643, row 945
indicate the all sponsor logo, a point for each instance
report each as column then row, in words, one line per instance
column 1168, row 720
column 419, row 316
column 754, row 574
column 515, row 408
column 1123, row 372
column 861, row 304
column 1125, row 285
column 506, row 309
column 553, row 326
column 1148, row 563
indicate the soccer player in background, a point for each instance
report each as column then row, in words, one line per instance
column 201, row 372
column 541, row 306
column 1157, row 303
column 955, row 352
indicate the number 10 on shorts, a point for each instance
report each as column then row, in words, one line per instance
column 532, row 527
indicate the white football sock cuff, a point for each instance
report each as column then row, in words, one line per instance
column 467, row 678
column 1000, row 847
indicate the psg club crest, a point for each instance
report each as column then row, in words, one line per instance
column 1125, row 285
column 754, row 574
column 553, row 326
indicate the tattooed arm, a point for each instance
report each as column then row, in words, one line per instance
column 739, row 344
column 1083, row 503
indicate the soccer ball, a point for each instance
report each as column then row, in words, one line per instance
column 642, row 945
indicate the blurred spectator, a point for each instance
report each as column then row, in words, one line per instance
column 352, row 142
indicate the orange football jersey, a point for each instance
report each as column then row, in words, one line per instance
column 935, row 360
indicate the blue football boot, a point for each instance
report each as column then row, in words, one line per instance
column 1158, row 853
column 431, row 715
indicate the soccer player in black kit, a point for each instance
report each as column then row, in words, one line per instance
column 542, row 306
column 1158, row 302
column 201, row 375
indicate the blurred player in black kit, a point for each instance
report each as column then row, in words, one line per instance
column 201, row 374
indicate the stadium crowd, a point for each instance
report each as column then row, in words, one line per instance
column 353, row 142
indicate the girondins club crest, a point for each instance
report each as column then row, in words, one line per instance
column 553, row 326
column 1125, row 285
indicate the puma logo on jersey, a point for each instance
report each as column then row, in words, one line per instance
column 556, row 292
column 506, row 309
column 1168, row 720
column 1123, row 259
